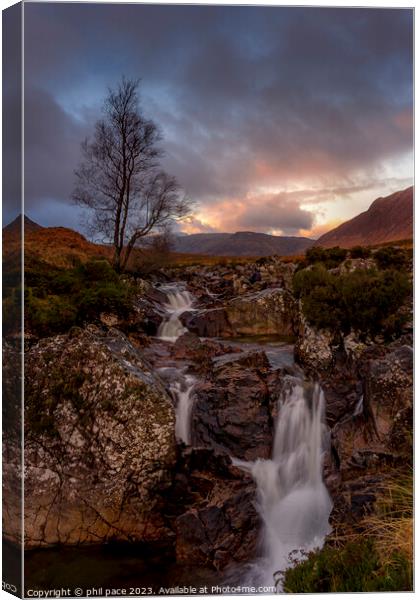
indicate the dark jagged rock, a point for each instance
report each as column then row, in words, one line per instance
column 200, row 351
column 207, row 323
column 220, row 524
column 232, row 408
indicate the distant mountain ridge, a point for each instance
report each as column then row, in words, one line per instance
column 242, row 243
column 386, row 220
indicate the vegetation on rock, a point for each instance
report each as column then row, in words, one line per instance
column 365, row 300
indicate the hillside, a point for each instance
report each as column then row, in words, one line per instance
column 14, row 228
column 242, row 243
column 387, row 219
column 56, row 246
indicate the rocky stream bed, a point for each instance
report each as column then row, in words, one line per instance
column 204, row 439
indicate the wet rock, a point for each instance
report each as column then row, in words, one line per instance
column 354, row 501
column 201, row 351
column 207, row 323
column 270, row 311
column 232, row 409
column 220, row 527
column 99, row 442
column 147, row 316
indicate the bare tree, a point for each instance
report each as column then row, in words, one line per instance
column 120, row 181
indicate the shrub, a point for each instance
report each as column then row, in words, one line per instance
column 330, row 257
column 364, row 300
column 75, row 296
column 360, row 252
column 50, row 315
column 107, row 297
column 390, row 257
column 12, row 310
column 371, row 298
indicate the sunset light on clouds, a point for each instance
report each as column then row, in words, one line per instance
column 278, row 120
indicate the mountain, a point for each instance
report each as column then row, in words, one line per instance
column 55, row 246
column 15, row 226
column 242, row 243
column 387, row 219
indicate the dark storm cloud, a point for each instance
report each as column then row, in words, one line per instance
column 49, row 165
column 246, row 96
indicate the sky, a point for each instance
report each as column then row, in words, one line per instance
column 278, row 120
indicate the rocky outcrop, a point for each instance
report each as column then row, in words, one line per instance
column 232, row 408
column 313, row 349
column 220, row 525
column 374, row 435
column 99, row 442
column 271, row 311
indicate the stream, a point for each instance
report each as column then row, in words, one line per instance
column 291, row 499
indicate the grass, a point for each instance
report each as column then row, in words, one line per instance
column 392, row 523
column 377, row 559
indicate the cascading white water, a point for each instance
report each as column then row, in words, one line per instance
column 178, row 302
column 183, row 392
column 293, row 501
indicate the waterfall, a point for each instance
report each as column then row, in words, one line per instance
column 178, row 302
column 293, row 501
column 182, row 391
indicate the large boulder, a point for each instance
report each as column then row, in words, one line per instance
column 99, row 442
column 232, row 411
column 268, row 312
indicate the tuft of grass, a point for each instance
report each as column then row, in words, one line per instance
column 391, row 525
column 378, row 559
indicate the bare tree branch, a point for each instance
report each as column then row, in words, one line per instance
column 119, row 181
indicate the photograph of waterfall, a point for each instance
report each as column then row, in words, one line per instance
column 208, row 275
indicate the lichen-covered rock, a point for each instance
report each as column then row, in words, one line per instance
column 99, row 442
column 313, row 349
column 11, row 447
column 270, row 311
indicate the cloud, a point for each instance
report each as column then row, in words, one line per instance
column 52, row 148
column 253, row 102
column 279, row 213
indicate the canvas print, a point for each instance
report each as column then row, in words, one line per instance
column 207, row 299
